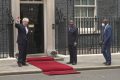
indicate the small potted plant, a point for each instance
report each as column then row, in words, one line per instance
column 16, row 55
column 53, row 53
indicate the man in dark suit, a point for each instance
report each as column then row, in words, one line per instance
column 72, row 42
column 22, row 40
column 107, row 39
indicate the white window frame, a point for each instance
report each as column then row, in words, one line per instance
column 87, row 30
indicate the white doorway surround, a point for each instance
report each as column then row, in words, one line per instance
column 49, row 20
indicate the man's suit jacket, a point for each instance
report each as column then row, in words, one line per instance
column 22, row 36
column 107, row 35
column 72, row 35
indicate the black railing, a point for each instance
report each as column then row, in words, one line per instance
column 90, row 35
column 60, row 31
column 6, row 30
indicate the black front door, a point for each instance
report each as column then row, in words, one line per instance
column 36, row 26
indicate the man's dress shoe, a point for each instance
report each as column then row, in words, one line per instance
column 19, row 64
column 107, row 63
column 24, row 64
column 104, row 62
column 74, row 63
column 69, row 63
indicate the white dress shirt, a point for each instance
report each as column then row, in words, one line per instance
column 26, row 30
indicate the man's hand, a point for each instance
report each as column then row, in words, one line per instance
column 75, row 43
column 101, row 43
column 18, row 20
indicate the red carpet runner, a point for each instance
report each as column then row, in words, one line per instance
column 50, row 67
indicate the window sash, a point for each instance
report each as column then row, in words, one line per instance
column 85, row 22
column 86, row 25
column 84, row 12
column 85, row 15
column 85, row 2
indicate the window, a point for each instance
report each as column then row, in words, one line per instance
column 85, row 12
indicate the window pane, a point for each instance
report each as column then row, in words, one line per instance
column 77, row 2
column 87, row 22
column 83, row 2
column 77, row 12
column 83, row 12
column 91, row 2
column 77, row 22
column 90, row 12
column 83, row 22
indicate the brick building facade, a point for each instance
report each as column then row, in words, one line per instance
column 54, row 13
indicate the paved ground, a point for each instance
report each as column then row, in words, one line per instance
column 106, row 74
column 85, row 62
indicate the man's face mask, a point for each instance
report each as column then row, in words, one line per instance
column 103, row 24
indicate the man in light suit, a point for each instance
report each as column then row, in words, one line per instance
column 107, row 39
column 72, row 42
column 22, row 40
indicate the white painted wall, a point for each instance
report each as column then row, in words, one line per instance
column 50, row 20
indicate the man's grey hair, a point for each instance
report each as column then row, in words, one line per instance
column 25, row 19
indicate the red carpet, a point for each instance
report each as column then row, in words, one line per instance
column 40, row 59
column 50, row 67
